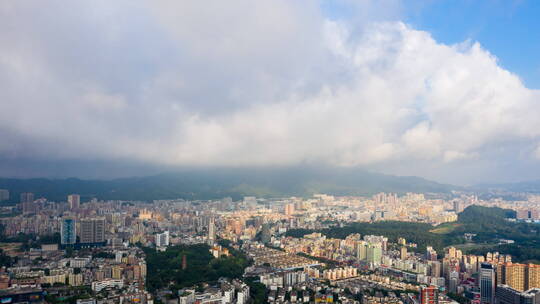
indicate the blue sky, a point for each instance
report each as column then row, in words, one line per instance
column 508, row 29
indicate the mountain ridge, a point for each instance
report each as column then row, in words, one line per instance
column 531, row 186
column 223, row 182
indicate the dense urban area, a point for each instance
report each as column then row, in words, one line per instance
column 386, row 248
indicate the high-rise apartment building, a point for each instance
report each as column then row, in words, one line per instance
column 68, row 231
column 74, row 201
column 435, row 268
column 528, row 214
column 532, row 273
column 520, row 277
column 403, row 253
column 92, row 230
column 458, row 206
column 27, row 203
column 431, row 254
column 453, row 281
column 374, row 253
column 4, row 195
column 289, row 209
column 211, row 232
column 514, row 276
column 487, row 284
column 429, row 295
column 162, row 239
column 361, row 250
column 27, row 197
column 266, row 233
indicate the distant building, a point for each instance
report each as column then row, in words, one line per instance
column 374, row 253
column 431, row 254
column 22, row 295
column 528, row 214
column 453, row 281
column 92, row 230
column 49, row 247
column 361, row 250
column 520, row 277
column 266, row 234
column 429, row 295
column 507, row 295
column 435, row 268
column 487, row 284
column 514, row 275
column 289, row 209
column 184, row 262
column 68, row 231
column 74, row 201
column 458, row 206
column 4, row 195
column 27, row 203
column 211, row 232
column 403, row 253
column 27, row 197
column 162, row 239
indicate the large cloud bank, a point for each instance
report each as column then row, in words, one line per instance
column 240, row 83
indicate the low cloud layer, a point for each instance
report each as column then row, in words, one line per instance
column 242, row 83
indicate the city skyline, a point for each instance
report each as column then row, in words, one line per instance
column 270, row 151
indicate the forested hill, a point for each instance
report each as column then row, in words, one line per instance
column 490, row 224
column 219, row 183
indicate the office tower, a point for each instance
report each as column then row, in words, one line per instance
column 211, row 232
column 162, row 239
column 92, row 230
column 429, row 295
column 403, row 253
column 487, row 284
column 4, row 195
column 507, row 295
column 74, row 201
column 68, row 231
column 374, row 253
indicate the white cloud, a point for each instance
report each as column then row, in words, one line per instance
column 536, row 152
column 243, row 83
